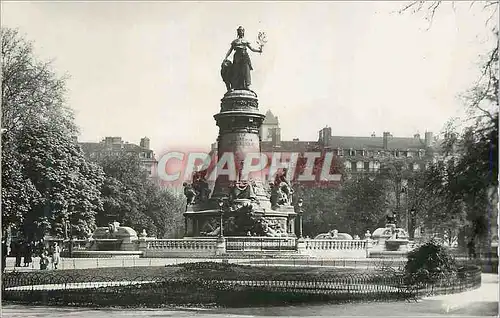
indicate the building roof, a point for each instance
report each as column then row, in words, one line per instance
column 270, row 119
column 90, row 147
column 289, row 146
column 346, row 142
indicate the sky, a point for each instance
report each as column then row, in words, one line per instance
column 153, row 68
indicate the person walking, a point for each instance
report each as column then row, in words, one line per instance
column 44, row 260
column 28, row 254
column 56, row 255
column 18, row 253
column 5, row 251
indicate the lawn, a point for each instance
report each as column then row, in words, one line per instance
column 188, row 271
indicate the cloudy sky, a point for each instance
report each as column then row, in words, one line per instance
column 153, row 68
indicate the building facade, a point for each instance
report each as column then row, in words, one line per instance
column 359, row 155
column 116, row 146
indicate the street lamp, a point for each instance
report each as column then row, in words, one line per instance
column 221, row 213
column 299, row 204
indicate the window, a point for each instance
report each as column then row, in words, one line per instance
column 347, row 165
column 367, row 166
column 359, row 165
column 353, row 166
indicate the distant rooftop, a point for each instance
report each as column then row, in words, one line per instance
column 271, row 119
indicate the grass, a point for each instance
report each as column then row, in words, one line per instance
column 201, row 284
column 188, row 271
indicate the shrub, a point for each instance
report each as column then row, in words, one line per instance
column 429, row 263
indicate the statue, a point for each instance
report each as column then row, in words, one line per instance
column 334, row 234
column 189, row 193
column 368, row 235
column 281, row 189
column 236, row 74
column 113, row 228
column 200, row 186
column 391, row 219
column 241, row 190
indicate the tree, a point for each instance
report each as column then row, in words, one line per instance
column 46, row 181
column 470, row 182
column 363, row 204
column 134, row 200
column 321, row 209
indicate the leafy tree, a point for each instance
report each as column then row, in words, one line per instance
column 321, row 209
column 470, row 184
column 45, row 178
column 363, row 205
column 134, row 200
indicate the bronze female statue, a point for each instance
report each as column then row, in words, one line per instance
column 236, row 75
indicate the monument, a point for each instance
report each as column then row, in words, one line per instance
column 243, row 205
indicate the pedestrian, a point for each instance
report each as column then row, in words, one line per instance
column 44, row 260
column 18, row 253
column 56, row 255
column 4, row 255
column 28, row 254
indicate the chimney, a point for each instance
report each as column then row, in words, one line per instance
column 416, row 136
column 325, row 135
column 108, row 141
column 428, row 139
column 373, row 134
column 295, row 139
column 386, row 139
column 144, row 143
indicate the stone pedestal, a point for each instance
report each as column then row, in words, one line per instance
column 246, row 197
column 220, row 248
column 301, row 246
column 239, row 121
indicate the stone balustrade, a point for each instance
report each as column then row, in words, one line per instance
column 178, row 247
column 230, row 245
column 253, row 243
column 335, row 244
column 332, row 248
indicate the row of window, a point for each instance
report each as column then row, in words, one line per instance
column 143, row 155
column 380, row 153
column 374, row 166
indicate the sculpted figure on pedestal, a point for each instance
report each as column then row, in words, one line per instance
column 236, row 74
column 281, row 189
column 189, row 193
column 201, row 186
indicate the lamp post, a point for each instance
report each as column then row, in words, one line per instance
column 404, row 190
column 221, row 214
column 299, row 212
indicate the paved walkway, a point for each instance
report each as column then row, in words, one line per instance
column 480, row 302
column 82, row 263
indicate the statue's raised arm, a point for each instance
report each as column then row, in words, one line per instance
column 236, row 74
